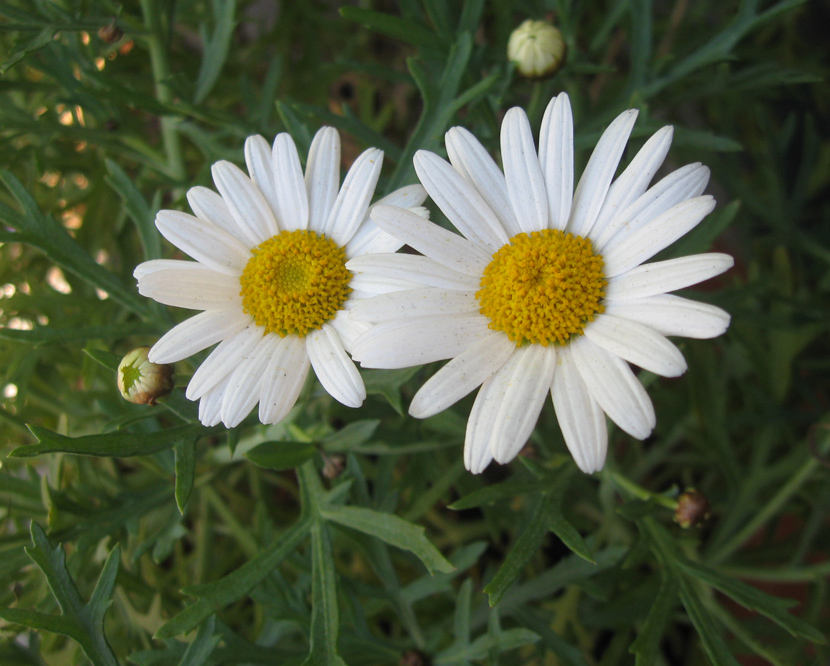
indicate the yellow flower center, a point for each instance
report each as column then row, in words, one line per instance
column 295, row 282
column 543, row 287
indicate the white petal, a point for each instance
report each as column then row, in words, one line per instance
column 413, row 268
column 291, row 211
column 556, row 157
column 222, row 360
column 285, row 375
column 593, row 186
column 247, row 205
column 156, row 265
column 355, row 195
column 661, row 277
column 462, row 375
column 211, row 207
column 333, row 368
column 475, row 165
column 415, row 303
column 366, row 285
column 459, row 201
column 402, row 343
column 673, row 315
column 322, row 177
column 477, row 451
column 656, row 235
column 198, row 333
column 192, row 286
column 637, row 344
column 261, row 170
column 580, row 417
column 523, row 400
column 243, row 387
column 347, row 328
column 634, row 181
column 685, row 183
column 525, row 182
column 445, row 247
column 210, row 404
column 612, row 384
column 371, row 239
column 204, row 242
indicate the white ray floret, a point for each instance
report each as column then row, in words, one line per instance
column 256, row 361
column 583, row 366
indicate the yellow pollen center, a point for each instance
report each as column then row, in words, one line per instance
column 295, row 282
column 542, row 287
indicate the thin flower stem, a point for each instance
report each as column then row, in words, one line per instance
column 638, row 491
column 161, row 73
column 806, row 574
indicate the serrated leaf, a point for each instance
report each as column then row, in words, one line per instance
column 137, row 209
column 280, row 455
column 392, row 530
column 754, row 599
column 185, row 466
column 647, row 643
column 393, row 26
column 218, row 594
column 202, row 647
column 82, row 622
column 216, row 48
column 114, row 444
column 46, row 234
column 562, row 527
column 523, row 549
column 325, row 620
column 710, row 635
column 482, row 646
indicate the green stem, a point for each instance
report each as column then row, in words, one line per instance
column 806, row 574
column 638, row 491
column 164, row 94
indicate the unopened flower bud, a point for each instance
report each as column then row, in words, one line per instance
column 537, row 48
column 692, row 508
column 141, row 381
column 111, row 33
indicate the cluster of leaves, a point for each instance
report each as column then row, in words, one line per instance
column 356, row 536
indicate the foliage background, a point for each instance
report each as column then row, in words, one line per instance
column 218, row 547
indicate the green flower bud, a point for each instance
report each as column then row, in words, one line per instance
column 142, row 382
column 537, row 48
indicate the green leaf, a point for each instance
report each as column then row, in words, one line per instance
column 114, row 444
column 562, row 527
column 216, row 47
column 387, row 383
column 482, row 646
column 280, row 455
column 56, row 335
column 647, row 643
column 185, row 470
column 498, row 491
column 325, row 620
column 391, row 529
column 137, row 209
column 524, row 548
column 202, row 646
column 43, row 38
column 710, row 635
column 105, row 358
column 701, row 238
column 237, row 584
column 754, row 599
column 395, row 27
column 43, row 232
column 82, row 622
column 351, row 436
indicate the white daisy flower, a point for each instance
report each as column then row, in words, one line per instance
column 545, row 290
column 270, row 276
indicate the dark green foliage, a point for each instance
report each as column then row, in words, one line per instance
column 356, row 536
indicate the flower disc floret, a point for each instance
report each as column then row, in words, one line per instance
column 295, row 282
column 542, row 287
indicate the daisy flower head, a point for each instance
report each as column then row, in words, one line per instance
column 269, row 276
column 546, row 289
